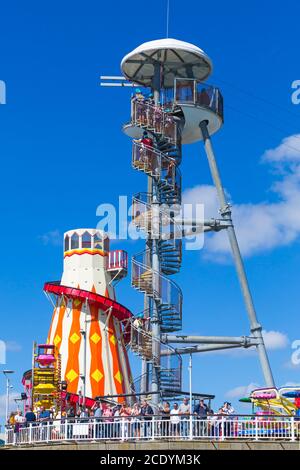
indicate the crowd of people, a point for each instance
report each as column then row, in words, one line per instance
column 105, row 419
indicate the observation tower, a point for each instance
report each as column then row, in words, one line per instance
column 174, row 107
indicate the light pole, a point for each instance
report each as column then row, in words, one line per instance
column 190, row 381
column 8, row 386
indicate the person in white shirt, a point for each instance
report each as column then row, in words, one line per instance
column 184, row 411
column 19, row 422
column 228, row 410
column 175, row 420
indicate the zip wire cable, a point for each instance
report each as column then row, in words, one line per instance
column 267, row 123
column 259, row 98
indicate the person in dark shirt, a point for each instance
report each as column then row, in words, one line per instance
column 201, row 410
column 30, row 416
column 147, row 413
column 146, row 410
column 44, row 415
column 70, row 419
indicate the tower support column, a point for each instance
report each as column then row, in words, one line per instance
column 155, row 234
column 256, row 328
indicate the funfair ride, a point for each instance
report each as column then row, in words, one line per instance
column 85, row 355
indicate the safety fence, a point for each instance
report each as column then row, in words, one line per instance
column 156, row 428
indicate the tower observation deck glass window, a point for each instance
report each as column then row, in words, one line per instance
column 185, row 90
column 86, row 241
column 67, row 242
column 106, row 244
column 74, row 241
column 97, row 242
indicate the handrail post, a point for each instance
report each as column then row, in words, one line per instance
column 191, row 426
column 222, row 429
column 293, row 437
column 256, row 428
column 123, row 429
column 30, row 433
column 153, row 429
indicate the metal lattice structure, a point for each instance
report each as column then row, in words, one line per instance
column 180, row 109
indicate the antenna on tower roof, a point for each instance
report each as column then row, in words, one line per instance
column 168, row 16
column 111, row 80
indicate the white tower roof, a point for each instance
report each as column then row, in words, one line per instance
column 177, row 59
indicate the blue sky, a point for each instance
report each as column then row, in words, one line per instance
column 63, row 154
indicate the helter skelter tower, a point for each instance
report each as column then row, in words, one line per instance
column 183, row 110
column 87, row 322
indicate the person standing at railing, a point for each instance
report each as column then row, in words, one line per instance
column 158, row 118
column 70, row 421
column 125, row 413
column 11, row 419
column 19, row 423
column 175, row 420
column 97, row 416
column 44, row 418
column 140, row 114
column 165, row 416
column 30, row 417
column 107, row 421
column 200, row 411
column 147, row 414
column 117, row 421
column 136, row 420
column 228, row 410
column 184, row 412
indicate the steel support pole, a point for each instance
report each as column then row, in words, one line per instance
column 190, row 381
column 241, row 340
column 7, row 400
column 155, row 228
column 256, row 328
column 145, row 369
column 198, row 349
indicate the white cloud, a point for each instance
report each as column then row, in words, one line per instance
column 204, row 194
column 291, row 384
column 54, row 237
column 266, row 225
column 275, row 339
column 288, row 150
column 241, row 391
column 13, row 346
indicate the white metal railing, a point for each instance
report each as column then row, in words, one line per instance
column 136, row 428
column 153, row 118
column 117, row 259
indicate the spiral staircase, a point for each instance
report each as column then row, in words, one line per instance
column 161, row 163
column 170, row 365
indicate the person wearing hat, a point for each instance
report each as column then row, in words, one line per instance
column 140, row 111
column 139, row 95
